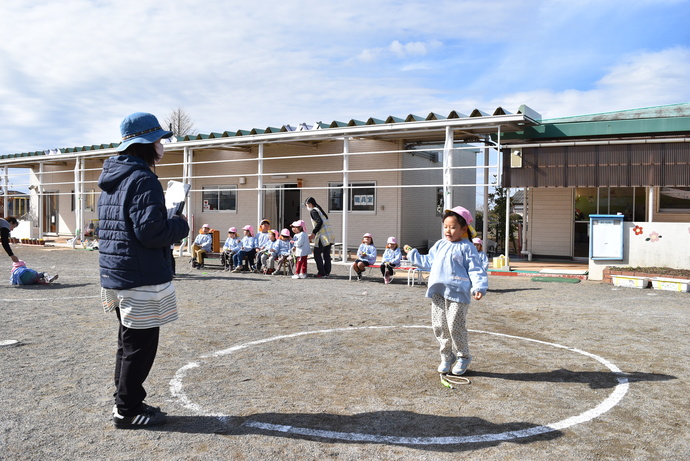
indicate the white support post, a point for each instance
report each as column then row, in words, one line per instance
column 40, row 193
column 5, row 190
column 260, row 185
column 346, row 193
column 187, row 171
column 650, row 217
column 447, row 170
column 78, row 231
column 485, row 204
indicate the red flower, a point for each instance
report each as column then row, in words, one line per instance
column 637, row 230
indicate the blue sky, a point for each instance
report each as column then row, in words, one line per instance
column 70, row 70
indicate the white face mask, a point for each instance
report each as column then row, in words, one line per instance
column 160, row 151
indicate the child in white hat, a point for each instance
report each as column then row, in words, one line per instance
column 456, row 275
column 390, row 260
column 302, row 249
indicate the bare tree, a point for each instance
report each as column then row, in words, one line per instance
column 180, row 122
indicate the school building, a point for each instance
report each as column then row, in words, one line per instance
column 394, row 176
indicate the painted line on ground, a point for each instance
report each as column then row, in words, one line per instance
column 11, row 300
column 177, row 390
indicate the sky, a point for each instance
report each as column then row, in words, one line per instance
column 71, row 70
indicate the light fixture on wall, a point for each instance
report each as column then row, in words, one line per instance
column 279, row 176
column 243, row 180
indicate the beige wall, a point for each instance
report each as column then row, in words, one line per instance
column 551, row 221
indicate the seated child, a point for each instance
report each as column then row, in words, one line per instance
column 479, row 245
column 247, row 251
column 283, row 253
column 268, row 252
column 230, row 247
column 22, row 275
column 390, row 260
column 202, row 245
column 366, row 255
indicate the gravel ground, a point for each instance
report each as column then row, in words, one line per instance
column 262, row 367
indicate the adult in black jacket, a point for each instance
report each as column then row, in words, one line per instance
column 7, row 225
column 136, row 274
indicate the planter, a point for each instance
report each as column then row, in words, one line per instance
column 669, row 284
column 630, row 281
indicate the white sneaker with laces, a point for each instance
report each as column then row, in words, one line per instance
column 445, row 365
column 296, row 276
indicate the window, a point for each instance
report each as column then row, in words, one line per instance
column 674, row 199
column 219, row 198
column 89, row 200
column 362, row 196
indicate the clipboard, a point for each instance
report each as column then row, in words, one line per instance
column 175, row 197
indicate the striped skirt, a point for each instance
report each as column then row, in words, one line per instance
column 142, row 307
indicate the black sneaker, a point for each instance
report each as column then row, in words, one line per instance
column 150, row 416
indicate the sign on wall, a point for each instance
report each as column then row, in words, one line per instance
column 606, row 237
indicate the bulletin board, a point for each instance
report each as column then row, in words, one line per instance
column 606, row 237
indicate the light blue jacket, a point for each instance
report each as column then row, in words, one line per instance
column 283, row 248
column 232, row 244
column 455, row 270
column 392, row 256
column 205, row 241
column 271, row 247
column 262, row 239
column 369, row 251
column 484, row 259
column 302, row 247
column 248, row 243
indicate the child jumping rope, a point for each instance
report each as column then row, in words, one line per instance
column 456, row 275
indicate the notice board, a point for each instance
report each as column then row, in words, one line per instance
column 606, row 237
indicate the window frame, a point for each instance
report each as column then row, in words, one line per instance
column 218, row 188
column 336, row 188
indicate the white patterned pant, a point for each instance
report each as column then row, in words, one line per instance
column 448, row 321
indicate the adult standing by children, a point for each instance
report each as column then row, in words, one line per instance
column 136, row 273
column 322, row 236
column 7, row 225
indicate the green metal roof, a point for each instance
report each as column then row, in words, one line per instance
column 659, row 120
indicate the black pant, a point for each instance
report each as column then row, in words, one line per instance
column 322, row 258
column 136, row 351
column 387, row 268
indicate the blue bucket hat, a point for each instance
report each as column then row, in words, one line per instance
column 141, row 128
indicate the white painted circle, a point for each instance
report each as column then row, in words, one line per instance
column 609, row 402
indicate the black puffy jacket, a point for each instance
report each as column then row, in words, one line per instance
column 134, row 233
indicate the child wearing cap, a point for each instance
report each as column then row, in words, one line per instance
column 479, row 245
column 455, row 276
column 282, row 253
column 390, row 260
column 268, row 253
column 302, row 249
column 230, row 247
column 202, row 245
column 366, row 255
column 262, row 238
column 247, row 251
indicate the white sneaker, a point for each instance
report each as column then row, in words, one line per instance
column 461, row 365
column 303, row 276
column 445, row 365
column 295, row 276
